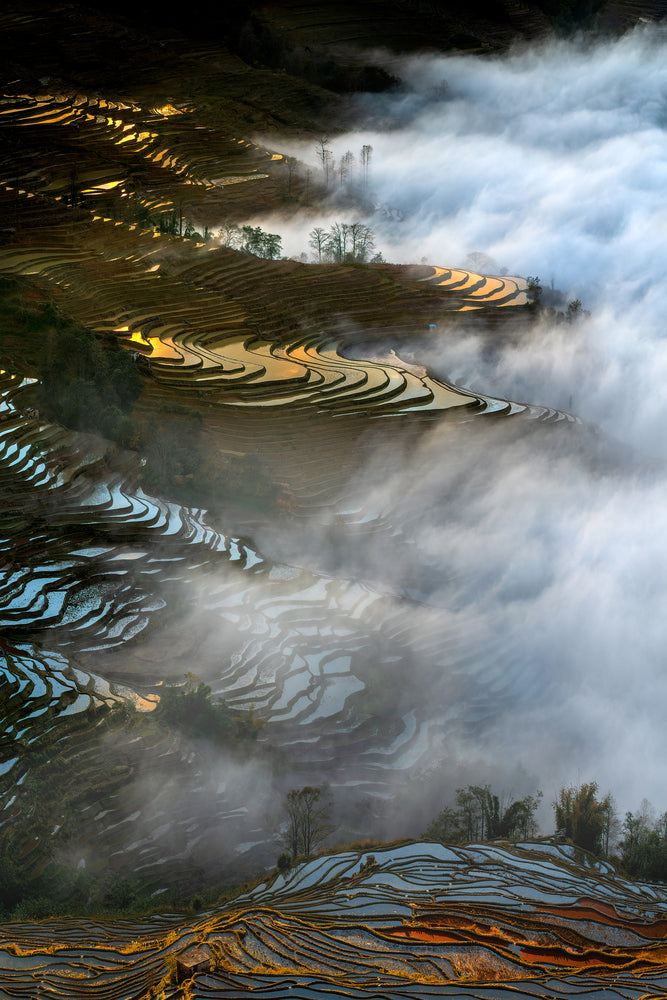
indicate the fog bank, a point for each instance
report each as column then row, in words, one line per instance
column 553, row 162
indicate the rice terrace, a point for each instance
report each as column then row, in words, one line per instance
column 332, row 479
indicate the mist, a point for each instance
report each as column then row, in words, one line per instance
column 547, row 548
column 482, row 599
column 548, row 159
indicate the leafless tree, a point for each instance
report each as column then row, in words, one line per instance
column 308, row 819
column 338, row 241
column 326, row 157
column 361, row 240
column 345, row 167
column 319, row 241
column 290, row 164
column 366, row 153
column 230, row 236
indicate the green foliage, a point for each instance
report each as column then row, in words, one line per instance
column 581, row 816
column 534, row 291
column 644, row 846
column 169, row 224
column 122, row 894
column 478, row 816
column 191, row 709
column 284, row 862
column 181, row 465
column 261, row 244
column 86, row 384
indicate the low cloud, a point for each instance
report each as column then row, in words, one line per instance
column 544, row 550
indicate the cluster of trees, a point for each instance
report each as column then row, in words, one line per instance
column 638, row 844
column 50, row 880
column 86, row 384
column 479, row 815
column 250, row 239
column 644, row 843
column 344, row 242
column 347, row 171
column 573, row 311
column 584, row 818
column 190, row 708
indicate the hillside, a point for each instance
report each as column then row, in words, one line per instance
column 418, row 920
column 238, row 482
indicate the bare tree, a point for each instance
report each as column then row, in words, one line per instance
column 319, row 241
column 230, row 236
column 361, row 239
column 326, row 157
column 345, row 167
column 290, row 164
column 308, row 819
column 338, row 241
column 366, row 153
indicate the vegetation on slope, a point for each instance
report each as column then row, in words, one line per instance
column 584, row 818
column 191, row 709
column 478, row 815
column 46, row 865
column 85, row 383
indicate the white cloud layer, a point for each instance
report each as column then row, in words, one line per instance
column 553, row 161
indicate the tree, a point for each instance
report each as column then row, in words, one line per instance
column 519, row 818
column 346, row 242
column 319, row 241
column 308, row 819
column 581, row 815
column 272, row 246
column 446, row 827
column 534, row 290
column 644, row 846
column 478, row 816
column 252, row 240
column 230, row 236
column 86, row 384
column 366, row 153
column 290, row 165
column 337, row 242
column 325, row 156
column 169, row 224
column 611, row 826
column 467, row 806
column 189, row 707
column 362, row 241
column 261, row 244
column 345, row 167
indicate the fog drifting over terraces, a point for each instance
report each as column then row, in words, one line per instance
column 553, row 162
